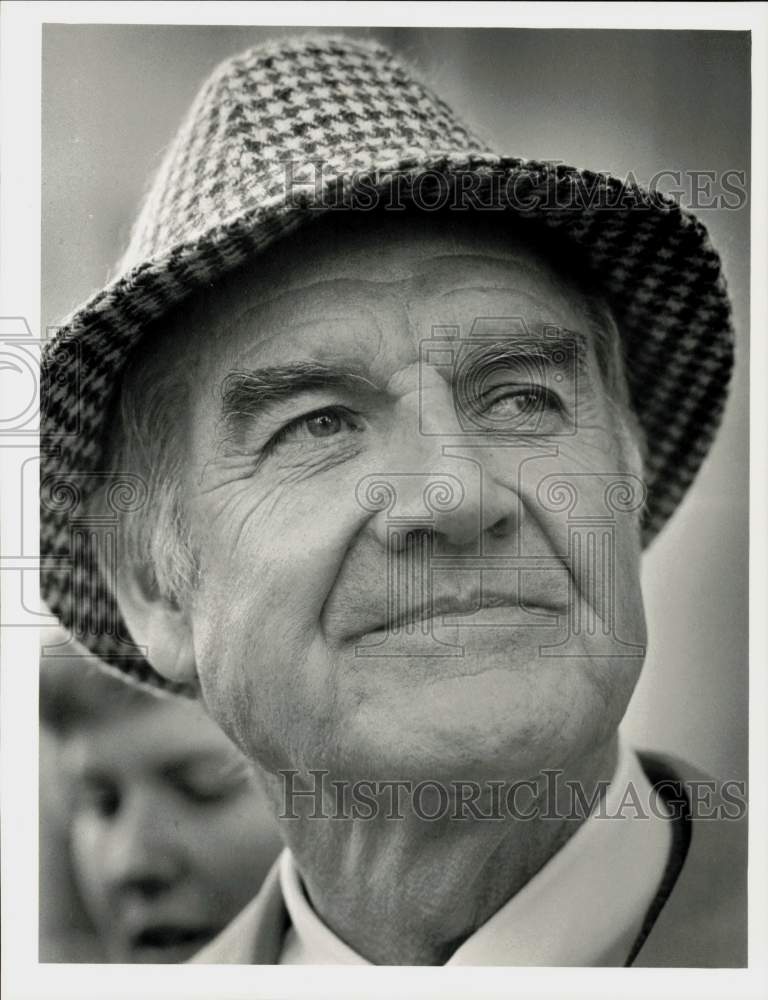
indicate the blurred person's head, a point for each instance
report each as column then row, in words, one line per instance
column 169, row 833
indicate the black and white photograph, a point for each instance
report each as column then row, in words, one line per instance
column 379, row 458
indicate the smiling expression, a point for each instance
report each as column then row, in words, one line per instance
column 379, row 418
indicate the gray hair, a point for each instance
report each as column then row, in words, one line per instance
column 149, row 439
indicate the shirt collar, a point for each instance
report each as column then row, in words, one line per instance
column 584, row 907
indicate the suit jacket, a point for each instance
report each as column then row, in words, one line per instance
column 697, row 920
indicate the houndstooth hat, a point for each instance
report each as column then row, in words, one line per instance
column 273, row 135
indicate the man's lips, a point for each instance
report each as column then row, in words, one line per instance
column 455, row 606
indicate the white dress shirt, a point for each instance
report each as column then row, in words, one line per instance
column 584, row 907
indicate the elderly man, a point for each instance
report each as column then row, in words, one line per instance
column 362, row 449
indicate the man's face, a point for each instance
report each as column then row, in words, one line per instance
column 410, row 562
column 170, row 834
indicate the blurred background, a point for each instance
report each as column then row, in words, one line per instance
column 154, row 830
column 616, row 101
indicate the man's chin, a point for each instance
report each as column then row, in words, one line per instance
column 499, row 710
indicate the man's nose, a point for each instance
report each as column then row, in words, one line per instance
column 438, row 480
column 143, row 855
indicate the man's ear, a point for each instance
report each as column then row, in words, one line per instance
column 158, row 624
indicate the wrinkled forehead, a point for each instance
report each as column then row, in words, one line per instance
column 347, row 289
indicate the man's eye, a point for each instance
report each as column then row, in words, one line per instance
column 523, row 402
column 514, row 408
column 326, row 423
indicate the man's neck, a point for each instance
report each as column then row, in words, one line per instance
column 411, row 891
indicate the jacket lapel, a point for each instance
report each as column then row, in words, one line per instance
column 699, row 923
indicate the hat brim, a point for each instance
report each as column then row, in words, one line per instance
column 652, row 259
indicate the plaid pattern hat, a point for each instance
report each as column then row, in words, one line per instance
column 286, row 130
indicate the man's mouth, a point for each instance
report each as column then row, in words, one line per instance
column 480, row 607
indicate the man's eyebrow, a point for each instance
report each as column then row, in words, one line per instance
column 547, row 350
column 245, row 393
